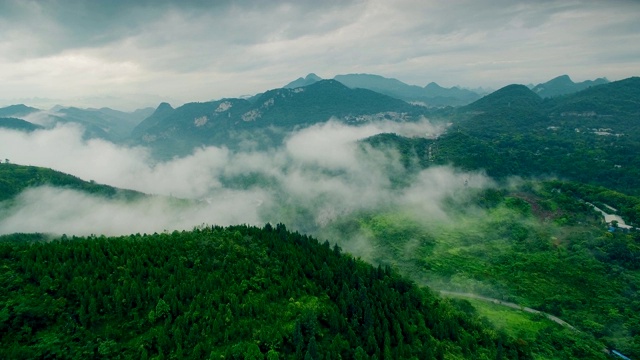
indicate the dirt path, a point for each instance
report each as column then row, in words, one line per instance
column 508, row 304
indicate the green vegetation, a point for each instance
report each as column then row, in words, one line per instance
column 16, row 178
column 538, row 245
column 591, row 137
column 547, row 339
column 238, row 293
column 243, row 292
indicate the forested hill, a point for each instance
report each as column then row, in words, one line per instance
column 16, row 178
column 592, row 136
column 235, row 293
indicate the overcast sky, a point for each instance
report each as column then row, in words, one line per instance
column 128, row 54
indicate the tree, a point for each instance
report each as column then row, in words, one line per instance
column 312, row 349
column 360, row 354
column 162, row 309
column 272, row 354
column 298, row 339
column 253, row 352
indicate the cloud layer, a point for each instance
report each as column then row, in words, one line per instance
column 142, row 51
column 320, row 174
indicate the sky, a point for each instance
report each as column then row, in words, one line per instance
column 131, row 54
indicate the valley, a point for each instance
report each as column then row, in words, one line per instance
column 500, row 200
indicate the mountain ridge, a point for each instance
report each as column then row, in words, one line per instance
column 563, row 85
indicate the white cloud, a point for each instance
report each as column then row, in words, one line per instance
column 63, row 211
column 321, row 174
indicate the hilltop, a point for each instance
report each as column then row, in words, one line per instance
column 237, row 292
column 16, row 178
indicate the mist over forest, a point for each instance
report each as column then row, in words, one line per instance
column 323, row 169
column 515, row 210
column 358, row 179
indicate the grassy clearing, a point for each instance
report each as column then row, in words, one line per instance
column 517, row 323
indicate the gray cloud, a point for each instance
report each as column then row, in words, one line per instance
column 199, row 50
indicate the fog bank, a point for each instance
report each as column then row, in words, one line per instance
column 320, row 174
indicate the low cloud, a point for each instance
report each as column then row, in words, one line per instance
column 62, row 211
column 320, row 174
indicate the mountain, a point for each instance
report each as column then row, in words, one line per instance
column 163, row 110
column 430, row 95
column 171, row 132
column 103, row 123
column 263, row 121
column 17, row 111
column 618, row 98
column 509, row 97
column 592, row 136
column 320, row 101
column 134, row 117
column 379, row 84
column 563, row 85
column 300, row 82
column 18, row 124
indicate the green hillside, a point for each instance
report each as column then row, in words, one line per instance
column 592, row 136
column 234, row 293
column 538, row 245
column 16, row 178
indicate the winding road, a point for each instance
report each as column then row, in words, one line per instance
column 508, row 304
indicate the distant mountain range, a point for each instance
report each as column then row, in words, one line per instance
column 591, row 136
column 265, row 119
column 432, row 95
column 105, row 123
column 563, row 85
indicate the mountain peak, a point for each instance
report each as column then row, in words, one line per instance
column 433, row 86
column 563, row 85
column 312, row 76
column 562, row 79
column 164, row 106
column 513, row 95
column 17, row 110
column 300, row 82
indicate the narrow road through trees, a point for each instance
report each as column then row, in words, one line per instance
column 508, row 304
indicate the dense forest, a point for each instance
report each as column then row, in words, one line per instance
column 536, row 245
column 539, row 244
column 239, row 293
